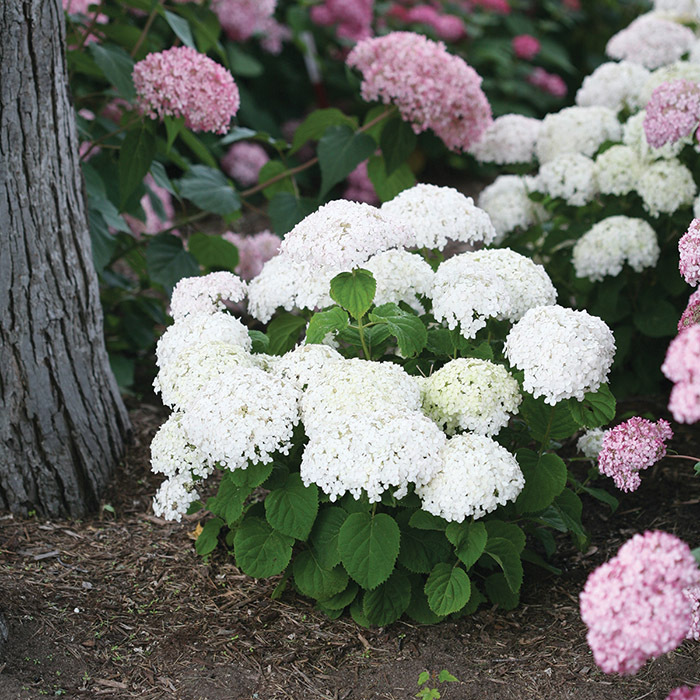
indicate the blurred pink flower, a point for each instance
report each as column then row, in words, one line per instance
column 526, row 46
column 548, row 82
column 693, row 595
column 672, row 112
column 684, row 693
column 244, row 161
column 634, row 605
column 360, row 187
column 689, row 253
column 181, row 82
column 153, row 223
column 240, row 19
column 253, row 251
column 353, row 18
column 682, row 366
column 447, row 27
column 432, row 88
column 691, row 315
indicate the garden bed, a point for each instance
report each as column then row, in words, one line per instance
column 119, row 605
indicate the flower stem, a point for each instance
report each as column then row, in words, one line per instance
column 146, row 28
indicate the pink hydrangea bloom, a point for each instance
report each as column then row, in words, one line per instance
column 547, row 82
column 360, row 187
column 244, row 161
column 684, row 402
column 689, row 249
column 672, row 112
column 634, row 604
column 78, row 7
column 432, row 88
column 153, row 223
column 253, row 251
column 526, row 46
column 500, row 6
column 682, row 366
column 353, row 18
column 691, row 315
column 206, row 294
column 240, row 19
column 447, row 27
column 273, row 34
column 630, row 447
column 114, row 109
column 685, row 693
column 693, row 595
column 181, row 82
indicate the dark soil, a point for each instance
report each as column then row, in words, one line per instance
column 120, row 606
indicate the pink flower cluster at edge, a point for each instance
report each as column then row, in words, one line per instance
column 547, row 82
column 630, row 447
column 352, row 18
column 153, row 223
column 500, row 6
column 432, row 88
column 244, row 161
column 240, row 19
column 181, row 82
column 685, row 693
column 689, row 253
column 673, row 112
column 691, row 315
column 634, row 605
column 447, row 27
column 360, row 187
column 682, row 367
column 526, row 46
column 253, row 251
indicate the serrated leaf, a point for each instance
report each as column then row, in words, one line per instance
column 292, row 509
column 197, row 147
column 252, row 476
column 213, row 252
column 500, row 593
column 388, row 186
column 314, row 126
column 324, row 322
column 397, row 142
column 409, row 331
column 229, row 500
column 135, row 156
column 386, row 603
column 603, row 496
column 117, row 66
column 422, row 549
column 259, row 550
column 534, row 558
column 315, row 581
column 210, row 190
column 446, row 677
column 286, row 211
column 168, row 262
column 181, row 28
column 261, row 343
column 569, row 507
column 597, row 408
column 324, row 535
column 340, row 151
column 418, row 609
column 545, row 478
column 508, row 531
column 342, row 599
column 354, row 291
column 507, row 557
column 208, row 538
column 547, row 422
column 351, row 504
column 283, row 332
column 422, row 520
column 357, row 613
column 369, row 547
column 448, row 589
column 469, row 540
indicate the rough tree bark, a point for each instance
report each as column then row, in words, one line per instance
column 62, row 421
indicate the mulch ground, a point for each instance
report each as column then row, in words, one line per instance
column 119, row 605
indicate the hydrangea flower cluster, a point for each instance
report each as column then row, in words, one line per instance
column 547, row 82
column 471, row 394
column 682, row 366
column 563, row 353
column 253, row 251
column 613, row 85
column 617, row 170
column 591, row 443
column 689, row 251
column 683, row 692
column 507, row 202
column 673, row 112
column 243, row 162
column 359, row 186
column 509, row 139
column 353, row 20
column 446, row 27
column 240, row 19
column 206, row 295
column 693, row 595
column 400, row 276
column 437, row 215
column 665, row 186
column 477, row 475
column 680, row 70
column 525, row 46
column 634, row 604
column 634, row 136
column 571, row 176
column 691, row 315
column 432, row 88
column 651, row 41
column 605, row 248
column 181, row 82
column 631, row 447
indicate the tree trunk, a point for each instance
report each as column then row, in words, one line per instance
column 62, row 421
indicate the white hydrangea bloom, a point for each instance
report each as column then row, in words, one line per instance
column 507, row 203
column 289, row 285
column 438, row 214
column 696, row 208
column 244, row 415
column 206, row 294
column 174, row 497
column 572, row 177
column 694, row 55
column 372, row 452
column 665, row 186
column 510, row 138
column 591, row 442
column 302, row 364
column 617, row 170
column 563, row 353
column 675, row 71
column 180, row 380
column 650, row 41
column 400, row 276
column 688, row 8
column 634, row 136
column 605, row 248
column 343, row 235
column 576, row 130
column 200, row 328
column 613, row 85
column 471, row 394
column 477, row 476
column 172, row 452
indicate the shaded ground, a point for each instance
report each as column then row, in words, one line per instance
column 120, row 606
